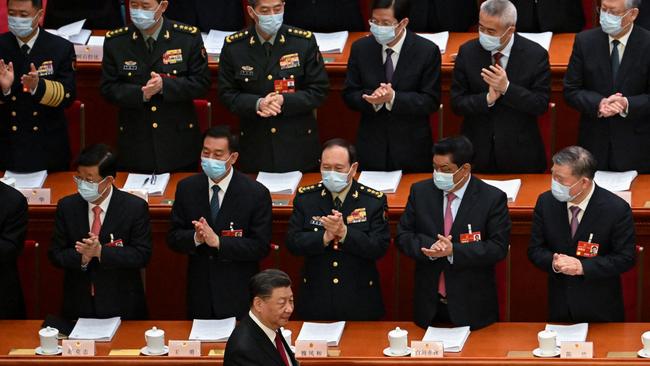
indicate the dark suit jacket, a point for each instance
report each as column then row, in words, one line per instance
column 618, row 143
column 325, row 15
column 596, row 296
column 13, row 228
column 443, row 15
column 106, row 14
column 33, row 128
column 471, row 288
column 118, row 284
column 248, row 345
column 505, row 135
column 557, row 16
column 339, row 284
column 225, row 15
column 217, row 279
column 400, row 138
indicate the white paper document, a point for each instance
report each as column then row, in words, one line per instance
column 27, row 180
column 569, row 333
column 73, row 32
column 331, row 42
column 280, row 183
column 542, row 39
column 509, row 187
column 453, row 339
column 100, row 330
column 440, row 39
column 330, row 332
column 214, row 40
column 212, row 330
column 615, row 181
column 386, row 182
column 155, row 185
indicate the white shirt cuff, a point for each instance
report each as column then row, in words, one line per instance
column 487, row 99
column 7, row 93
column 450, row 258
column 34, row 91
column 196, row 242
column 389, row 105
column 377, row 107
column 627, row 109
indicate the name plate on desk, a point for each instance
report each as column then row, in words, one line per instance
column 89, row 53
column 311, row 349
column 37, row 196
column 422, row 349
column 184, row 349
column 78, row 348
column 577, row 350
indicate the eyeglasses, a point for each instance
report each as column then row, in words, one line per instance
column 77, row 179
column 382, row 24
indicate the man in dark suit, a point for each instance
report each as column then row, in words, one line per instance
column 432, row 16
column 339, row 226
column 501, row 84
column 258, row 340
column 153, row 70
column 225, row 15
column 221, row 219
column 105, row 14
column 608, row 82
column 325, row 15
column 37, row 79
column 583, row 237
column 456, row 228
column 557, row 16
column 13, row 228
column 273, row 77
column 394, row 81
column 102, row 240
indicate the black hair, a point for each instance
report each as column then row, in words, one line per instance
column 262, row 284
column 99, row 155
column 352, row 151
column 223, row 131
column 35, row 3
column 459, row 147
column 401, row 8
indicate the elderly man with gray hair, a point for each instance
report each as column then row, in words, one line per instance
column 583, row 237
column 608, row 82
column 501, row 84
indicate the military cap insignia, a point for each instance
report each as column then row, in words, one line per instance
column 300, row 33
column 236, row 36
column 116, row 32
column 282, row 40
column 135, row 36
column 166, row 34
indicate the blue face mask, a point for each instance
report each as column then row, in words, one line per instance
column 270, row 24
column 561, row 192
column 214, row 168
column 610, row 23
column 444, row 181
column 143, row 19
column 490, row 43
column 20, row 27
column 89, row 191
column 335, row 181
column 383, row 34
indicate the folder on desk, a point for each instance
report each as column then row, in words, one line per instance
column 27, row 180
column 569, row 333
column 615, row 181
column 280, row 183
column 509, row 187
column 100, row 330
column 212, row 330
column 543, row 39
column 331, row 42
column 330, row 332
column 440, row 39
column 386, row 182
column 453, row 339
column 73, row 32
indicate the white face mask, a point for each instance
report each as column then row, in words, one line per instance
column 561, row 192
column 490, row 43
column 144, row 19
column 444, row 181
column 270, row 24
column 89, row 191
column 610, row 23
column 335, row 181
column 21, row 27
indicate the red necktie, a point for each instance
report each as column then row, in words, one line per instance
column 497, row 58
column 449, row 221
column 280, row 347
column 97, row 221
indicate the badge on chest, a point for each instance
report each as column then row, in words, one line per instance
column 470, row 236
column 232, row 232
column 285, row 86
column 171, row 57
column 289, row 61
column 130, row 66
column 357, row 216
column 46, row 69
column 587, row 249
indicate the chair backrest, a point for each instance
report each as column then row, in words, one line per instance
column 204, row 113
column 502, row 278
column 547, row 128
column 273, row 259
column 632, row 284
column 589, row 9
column 437, row 124
column 388, row 268
column 29, row 271
column 76, row 116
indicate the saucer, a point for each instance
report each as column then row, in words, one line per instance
column 642, row 353
column 39, row 351
column 538, row 353
column 389, row 353
column 145, row 351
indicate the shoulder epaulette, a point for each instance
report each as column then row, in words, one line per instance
column 311, row 188
column 300, row 32
column 371, row 192
column 117, row 32
column 185, row 28
column 236, row 36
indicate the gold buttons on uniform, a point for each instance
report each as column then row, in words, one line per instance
column 304, row 280
column 270, row 77
column 174, row 72
column 246, row 79
column 67, row 95
column 191, row 125
column 309, row 131
column 273, row 130
column 315, row 229
column 153, row 109
column 35, row 114
column 35, row 128
column 13, row 113
column 121, row 128
column 13, row 99
column 130, row 74
column 370, row 283
column 154, row 125
column 335, row 264
column 14, row 128
column 335, row 281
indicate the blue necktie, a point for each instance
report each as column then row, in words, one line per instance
column 214, row 203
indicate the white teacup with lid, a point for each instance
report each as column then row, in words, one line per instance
column 155, row 340
column 49, row 341
column 398, row 341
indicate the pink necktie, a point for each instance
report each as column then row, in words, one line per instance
column 449, row 221
column 575, row 210
column 280, row 346
column 97, row 221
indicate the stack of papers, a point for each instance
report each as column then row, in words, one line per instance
column 154, row 184
column 569, row 333
column 11, row 182
column 440, row 39
column 331, row 42
column 100, row 330
column 330, row 332
column 543, row 39
column 509, row 187
column 73, row 32
column 386, row 182
column 280, row 183
column 614, row 181
column 27, row 180
column 217, row 330
column 453, row 339
column 214, row 40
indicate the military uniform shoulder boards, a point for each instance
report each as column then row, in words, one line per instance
column 185, row 28
column 311, row 188
column 371, row 192
column 116, row 32
column 236, row 36
column 300, row 32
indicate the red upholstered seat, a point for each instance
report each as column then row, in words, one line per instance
column 204, row 113
column 547, row 128
column 76, row 116
column 632, row 283
column 28, row 269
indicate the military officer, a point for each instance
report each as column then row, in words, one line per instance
column 340, row 227
column 272, row 76
column 37, row 79
column 153, row 70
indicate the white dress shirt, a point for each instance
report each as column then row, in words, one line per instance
column 582, row 205
column 104, row 207
column 223, row 187
column 397, row 50
column 268, row 331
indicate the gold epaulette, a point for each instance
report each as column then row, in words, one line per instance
column 311, row 188
column 117, row 32
column 371, row 192
column 300, row 33
column 236, row 36
column 185, row 28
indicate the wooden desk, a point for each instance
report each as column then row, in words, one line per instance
column 362, row 344
column 166, row 273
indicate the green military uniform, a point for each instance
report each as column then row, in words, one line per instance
column 340, row 281
column 162, row 134
column 288, row 141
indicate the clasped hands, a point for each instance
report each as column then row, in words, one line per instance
column 381, row 95
column 153, row 87
column 567, row 265
column 89, row 248
column 497, row 79
column 613, row 105
column 203, row 233
column 270, row 105
column 441, row 248
column 334, row 227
